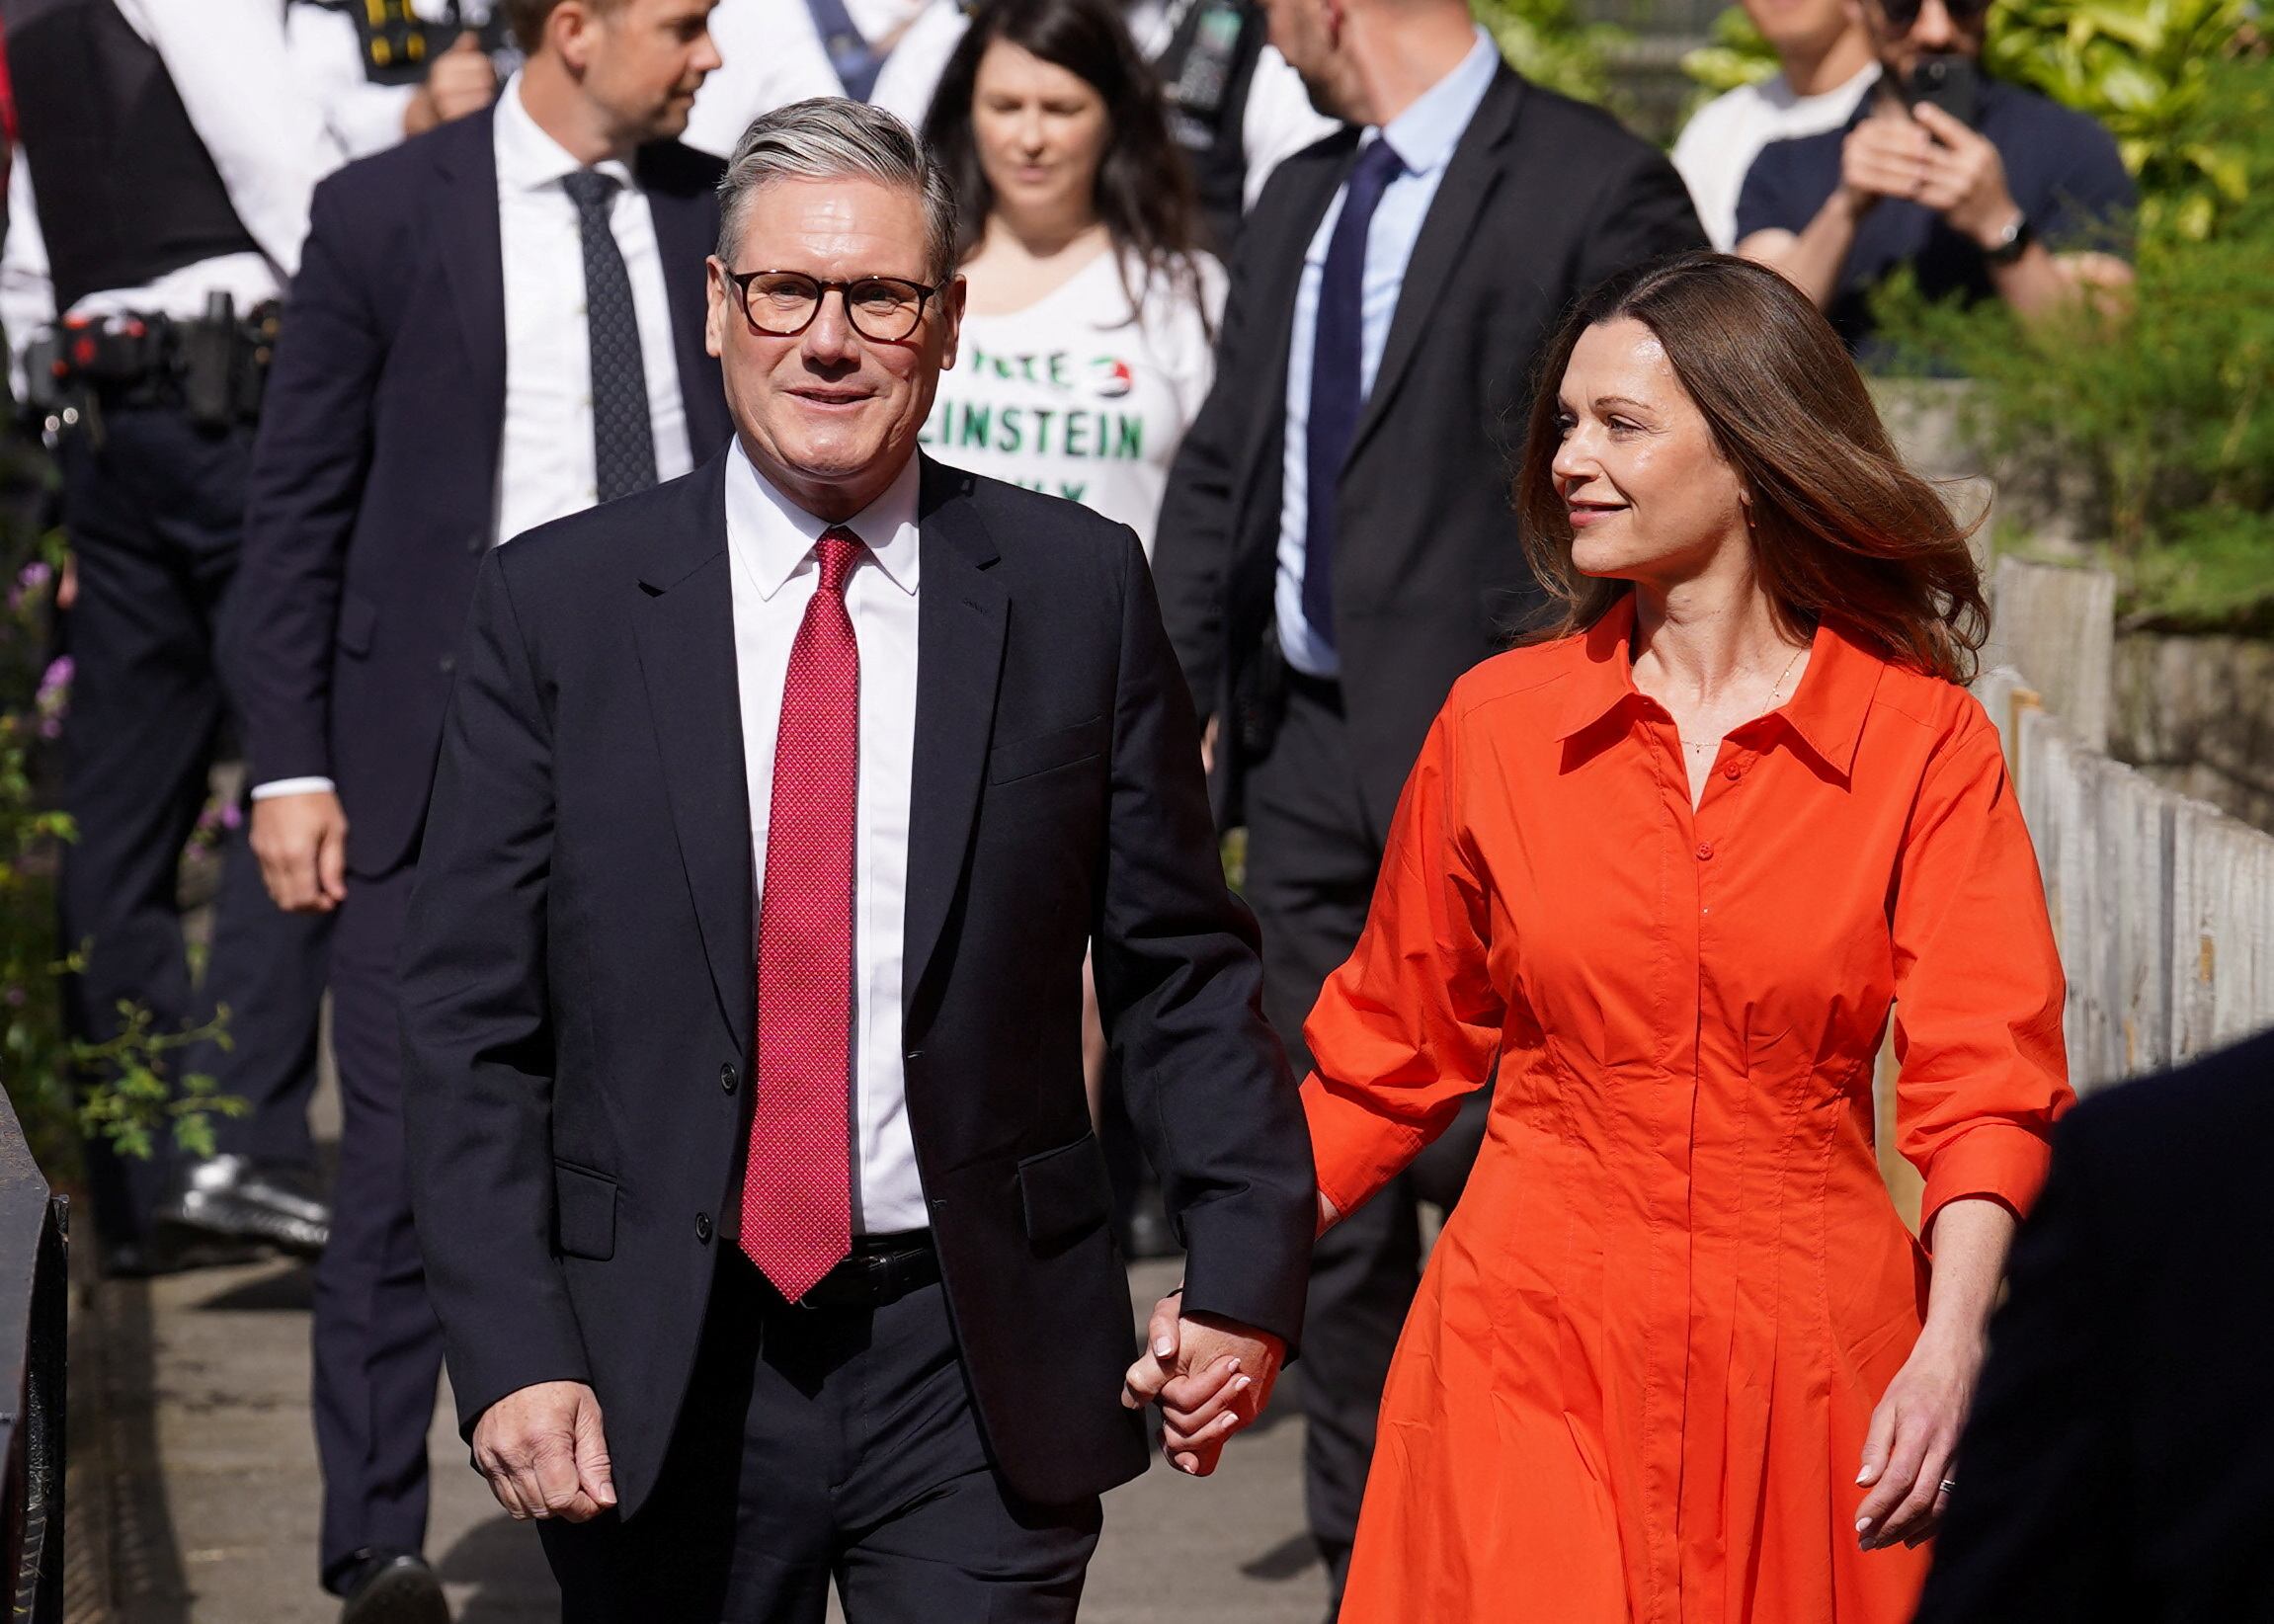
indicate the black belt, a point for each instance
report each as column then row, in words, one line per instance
column 882, row 1268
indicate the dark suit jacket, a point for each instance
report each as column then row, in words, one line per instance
column 374, row 479
column 577, row 976
column 1543, row 198
column 2119, row 1465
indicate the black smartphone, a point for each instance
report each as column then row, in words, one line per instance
column 1950, row 82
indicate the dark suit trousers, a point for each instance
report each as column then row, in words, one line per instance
column 1311, row 858
column 826, row 1444
column 155, row 514
column 379, row 1348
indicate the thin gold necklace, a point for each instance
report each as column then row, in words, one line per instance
column 1774, row 689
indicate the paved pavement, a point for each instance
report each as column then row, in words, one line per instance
column 198, row 1466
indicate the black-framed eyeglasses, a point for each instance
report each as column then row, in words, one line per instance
column 1903, row 15
column 784, row 303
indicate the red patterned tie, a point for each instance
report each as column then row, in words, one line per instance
column 796, row 1198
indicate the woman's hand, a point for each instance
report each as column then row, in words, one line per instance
column 1913, row 1439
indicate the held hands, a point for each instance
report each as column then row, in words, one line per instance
column 1211, row 1377
column 303, row 843
column 1909, row 1451
column 1931, row 158
column 545, row 1454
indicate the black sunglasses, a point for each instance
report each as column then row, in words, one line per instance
column 1903, row 15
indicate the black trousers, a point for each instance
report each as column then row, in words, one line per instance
column 819, row 1445
column 155, row 512
column 379, row 1347
column 1313, row 856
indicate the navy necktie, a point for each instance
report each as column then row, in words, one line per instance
column 622, row 438
column 1336, row 377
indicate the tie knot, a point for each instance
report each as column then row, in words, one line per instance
column 839, row 550
column 589, row 190
column 1378, row 165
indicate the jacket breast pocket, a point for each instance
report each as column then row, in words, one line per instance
column 1040, row 752
column 359, row 619
column 583, row 1213
column 1061, row 1194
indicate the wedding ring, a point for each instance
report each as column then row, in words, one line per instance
column 1948, row 1483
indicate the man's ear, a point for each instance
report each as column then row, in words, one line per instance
column 718, row 310
column 569, row 33
column 952, row 310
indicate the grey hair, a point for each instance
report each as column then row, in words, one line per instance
column 830, row 138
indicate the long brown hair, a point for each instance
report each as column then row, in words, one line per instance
column 1841, row 529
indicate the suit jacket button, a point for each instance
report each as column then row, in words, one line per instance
column 446, row 664
column 476, row 542
column 727, row 1079
column 702, row 1227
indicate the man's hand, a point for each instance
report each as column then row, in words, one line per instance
column 1210, row 1375
column 1964, row 179
column 1883, row 156
column 460, row 81
column 303, row 843
column 545, row 1454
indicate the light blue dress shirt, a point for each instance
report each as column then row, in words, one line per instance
column 1424, row 138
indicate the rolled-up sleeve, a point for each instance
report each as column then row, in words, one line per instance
column 1979, row 986
column 1411, row 1023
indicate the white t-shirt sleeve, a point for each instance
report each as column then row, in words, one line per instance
column 1712, row 161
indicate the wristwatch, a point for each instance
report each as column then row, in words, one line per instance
column 2012, row 242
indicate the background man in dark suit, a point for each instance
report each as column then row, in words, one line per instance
column 493, row 324
column 847, row 1234
column 1336, row 544
column 2118, row 1467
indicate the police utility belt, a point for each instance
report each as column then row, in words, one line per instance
column 212, row 368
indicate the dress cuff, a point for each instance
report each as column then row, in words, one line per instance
column 1356, row 1150
column 2003, row 1160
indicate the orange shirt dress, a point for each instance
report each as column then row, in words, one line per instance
column 1636, row 1381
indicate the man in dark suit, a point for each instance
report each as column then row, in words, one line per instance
column 2119, row 1462
column 493, row 325
column 1337, row 545
column 767, row 1231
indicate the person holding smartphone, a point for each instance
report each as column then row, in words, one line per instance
column 1983, row 189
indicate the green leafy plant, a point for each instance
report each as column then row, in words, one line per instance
column 1733, row 54
column 1552, row 43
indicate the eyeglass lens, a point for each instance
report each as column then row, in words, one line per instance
column 786, row 302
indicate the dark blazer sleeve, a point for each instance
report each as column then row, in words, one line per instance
column 1192, row 542
column 1643, row 211
column 1180, row 992
column 2040, row 1515
column 477, row 1037
column 307, row 479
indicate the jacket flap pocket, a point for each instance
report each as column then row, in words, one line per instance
column 1042, row 752
column 583, row 1213
column 1063, row 1193
column 359, row 618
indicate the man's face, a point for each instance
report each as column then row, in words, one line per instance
column 1808, row 26
column 1901, row 36
column 1304, row 31
column 641, row 62
column 830, row 416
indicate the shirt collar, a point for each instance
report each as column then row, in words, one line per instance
column 772, row 538
column 1424, row 134
column 1826, row 713
column 529, row 160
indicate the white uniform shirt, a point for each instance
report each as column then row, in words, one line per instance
column 328, row 56
column 771, row 546
column 1723, row 137
column 772, row 54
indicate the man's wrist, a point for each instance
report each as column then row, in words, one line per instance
column 2008, row 239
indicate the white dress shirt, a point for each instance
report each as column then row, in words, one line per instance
column 771, row 545
column 546, row 465
column 770, row 56
column 1424, row 138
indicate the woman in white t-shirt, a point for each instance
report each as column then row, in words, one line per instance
column 1088, row 336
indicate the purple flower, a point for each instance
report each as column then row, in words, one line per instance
column 16, row 997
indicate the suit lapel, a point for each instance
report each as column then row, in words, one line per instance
column 1471, row 178
column 466, row 219
column 683, row 626
column 961, row 614
column 684, row 227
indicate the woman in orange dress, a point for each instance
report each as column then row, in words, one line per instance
column 1657, row 883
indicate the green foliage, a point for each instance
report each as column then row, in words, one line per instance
column 1735, row 55
column 2166, row 409
column 129, row 1094
column 1551, row 42
column 2144, row 69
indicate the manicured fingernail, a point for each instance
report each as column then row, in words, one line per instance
column 1235, row 1364
column 1863, row 1526
column 1863, row 1475
column 1163, row 1346
column 1242, row 1384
